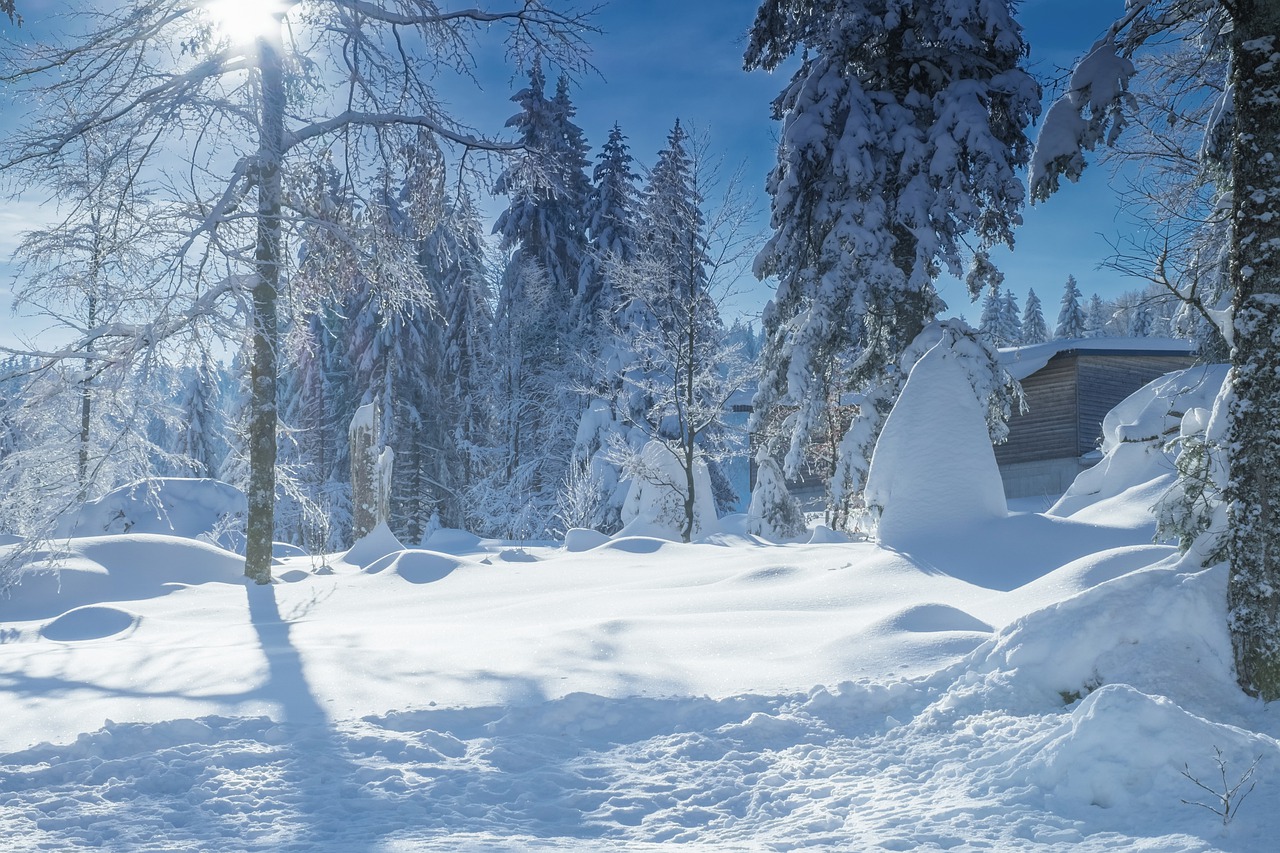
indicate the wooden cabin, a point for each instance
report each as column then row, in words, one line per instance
column 1070, row 386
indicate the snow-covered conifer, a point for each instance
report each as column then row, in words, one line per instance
column 611, row 212
column 989, row 322
column 1140, row 322
column 903, row 134
column 547, row 187
column 1096, row 317
column 1010, row 333
column 1034, row 330
column 773, row 513
column 200, row 419
column 1071, row 319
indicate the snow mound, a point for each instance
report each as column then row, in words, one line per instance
column 416, row 566
column 931, row 618
column 636, row 544
column 1158, row 630
column 454, row 541
column 1135, row 469
column 1125, row 749
column 125, row 567
column 823, row 535
column 933, row 468
column 583, row 539
column 174, row 506
column 373, row 546
column 91, row 622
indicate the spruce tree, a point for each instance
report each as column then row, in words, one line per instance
column 1010, row 321
column 989, row 322
column 1034, row 330
column 904, row 129
column 1095, row 318
column 1071, row 320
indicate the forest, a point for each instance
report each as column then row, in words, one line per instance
column 268, row 231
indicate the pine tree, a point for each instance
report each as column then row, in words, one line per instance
column 547, row 185
column 989, row 322
column 1139, row 322
column 1071, row 321
column 536, row 336
column 611, row 213
column 200, row 420
column 1010, row 321
column 1095, row 322
column 1034, row 330
column 903, row 132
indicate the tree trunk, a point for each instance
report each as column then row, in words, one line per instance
column 1253, row 539
column 86, row 400
column 262, row 394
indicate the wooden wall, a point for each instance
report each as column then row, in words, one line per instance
column 1048, row 430
column 1106, row 379
column 1069, row 397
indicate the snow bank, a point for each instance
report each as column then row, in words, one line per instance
column 1127, row 750
column 933, row 469
column 125, row 567
column 1136, row 469
column 175, row 506
column 1158, row 630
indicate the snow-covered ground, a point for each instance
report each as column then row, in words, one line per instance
column 1035, row 682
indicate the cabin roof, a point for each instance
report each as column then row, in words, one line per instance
column 1026, row 360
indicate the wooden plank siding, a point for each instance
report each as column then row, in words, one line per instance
column 1106, row 379
column 1048, row 428
column 1068, row 398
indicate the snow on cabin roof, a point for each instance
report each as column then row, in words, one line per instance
column 1026, row 360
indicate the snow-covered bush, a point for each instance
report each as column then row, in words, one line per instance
column 774, row 513
column 177, row 506
column 655, row 503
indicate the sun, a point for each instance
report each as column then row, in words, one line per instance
column 245, row 21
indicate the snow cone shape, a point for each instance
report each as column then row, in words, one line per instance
column 933, row 469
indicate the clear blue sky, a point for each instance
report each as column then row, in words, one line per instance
column 662, row 59
column 659, row 60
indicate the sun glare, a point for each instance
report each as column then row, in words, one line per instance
column 243, row 21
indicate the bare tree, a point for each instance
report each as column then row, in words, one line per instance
column 223, row 111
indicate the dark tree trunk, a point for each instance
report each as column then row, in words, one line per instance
column 1253, row 543
column 262, row 394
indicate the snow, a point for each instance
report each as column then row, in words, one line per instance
column 174, row 505
column 1027, row 682
column 654, row 505
column 1023, row 361
column 934, row 471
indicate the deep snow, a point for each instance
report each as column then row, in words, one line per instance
column 1033, row 682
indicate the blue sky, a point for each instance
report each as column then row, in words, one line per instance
column 662, row 59
column 659, row 60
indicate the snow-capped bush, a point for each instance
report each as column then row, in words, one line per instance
column 655, row 504
column 774, row 513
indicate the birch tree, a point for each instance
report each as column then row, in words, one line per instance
column 225, row 99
